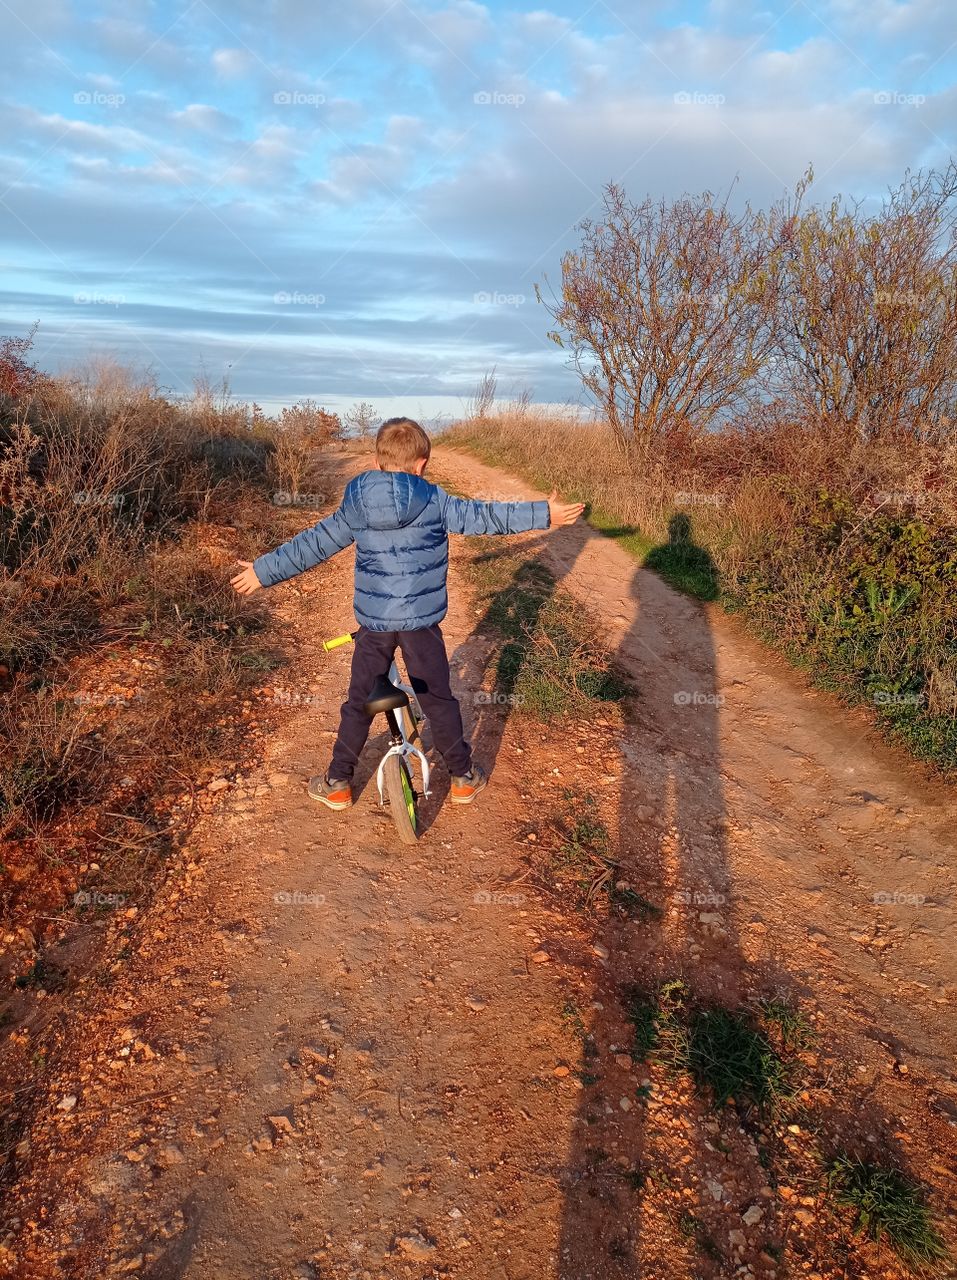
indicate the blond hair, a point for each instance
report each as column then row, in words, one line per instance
column 400, row 444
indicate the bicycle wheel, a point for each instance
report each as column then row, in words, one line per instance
column 402, row 799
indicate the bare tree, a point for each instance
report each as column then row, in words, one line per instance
column 666, row 310
column 866, row 331
column 362, row 419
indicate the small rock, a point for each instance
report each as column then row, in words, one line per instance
column 281, row 1124
column 415, row 1246
column 751, row 1217
column 716, row 1190
column 561, row 1072
column 218, row 784
column 67, row 1102
column 624, row 1061
column 600, row 951
column 625, row 1104
column 540, row 957
column 476, row 1004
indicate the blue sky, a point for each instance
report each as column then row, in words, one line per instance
column 355, row 201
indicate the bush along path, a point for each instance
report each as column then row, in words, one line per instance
column 659, row 1004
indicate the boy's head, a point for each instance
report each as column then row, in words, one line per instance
column 402, row 445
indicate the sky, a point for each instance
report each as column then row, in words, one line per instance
column 355, row 201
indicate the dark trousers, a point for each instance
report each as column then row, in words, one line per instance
column 428, row 666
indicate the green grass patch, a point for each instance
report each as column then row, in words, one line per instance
column 734, row 1059
column 889, row 1206
column 740, row 1056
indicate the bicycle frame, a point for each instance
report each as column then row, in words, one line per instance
column 401, row 746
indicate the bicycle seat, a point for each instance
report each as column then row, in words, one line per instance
column 385, row 696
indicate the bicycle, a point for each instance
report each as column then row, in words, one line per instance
column 396, row 699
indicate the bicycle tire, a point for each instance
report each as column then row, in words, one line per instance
column 402, row 799
column 410, row 725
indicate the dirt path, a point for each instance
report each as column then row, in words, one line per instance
column 832, row 837
column 333, row 1057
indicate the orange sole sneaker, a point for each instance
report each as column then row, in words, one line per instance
column 466, row 788
column 334, row 795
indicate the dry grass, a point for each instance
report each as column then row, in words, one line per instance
column 121, row 513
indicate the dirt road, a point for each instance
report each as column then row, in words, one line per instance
column 330, row 1056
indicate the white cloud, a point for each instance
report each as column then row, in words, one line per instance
column 205, row 118
column 231, row 63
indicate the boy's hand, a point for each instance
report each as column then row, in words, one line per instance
column 246, row 582
column 560, row 513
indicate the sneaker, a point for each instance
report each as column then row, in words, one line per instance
column 466, row 788
column 333, row 794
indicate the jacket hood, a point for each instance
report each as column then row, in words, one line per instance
column 385, row 499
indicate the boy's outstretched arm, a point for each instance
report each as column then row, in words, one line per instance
column 463, row 515
column 304, row 551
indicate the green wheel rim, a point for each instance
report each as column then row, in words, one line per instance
column 409, row 796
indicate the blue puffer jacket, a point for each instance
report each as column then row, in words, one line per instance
column 400, row 524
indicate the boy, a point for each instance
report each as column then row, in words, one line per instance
column 400, row 524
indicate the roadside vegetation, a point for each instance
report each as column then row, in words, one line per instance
column 776, row 429
column 124, row 654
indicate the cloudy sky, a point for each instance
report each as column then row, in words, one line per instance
column 354, row 200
